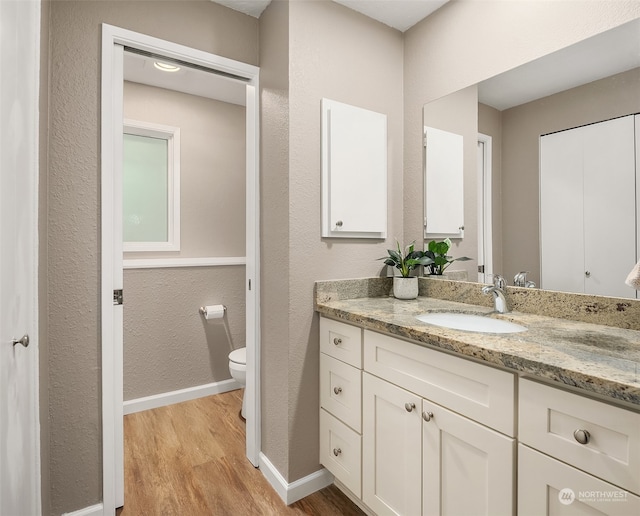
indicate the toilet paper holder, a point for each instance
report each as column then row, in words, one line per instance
column 203, row 310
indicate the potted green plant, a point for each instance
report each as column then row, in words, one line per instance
column 405, row 286
column 437, row 252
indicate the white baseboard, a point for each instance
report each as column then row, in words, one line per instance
column 297, row 490
column 94, row 510
column 169, row 398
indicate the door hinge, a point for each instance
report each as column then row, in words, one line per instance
column 117, row 297
column 249, row 284
column 481, row 269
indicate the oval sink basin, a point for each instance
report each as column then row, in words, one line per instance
column 470, row 322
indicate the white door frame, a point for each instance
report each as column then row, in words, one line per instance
column 114, row 39
column 485, row 209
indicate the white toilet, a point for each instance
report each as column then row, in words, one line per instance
column 238, row 370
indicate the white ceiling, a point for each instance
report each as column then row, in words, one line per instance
column 399, row 14
column 611, row 52
column 140, row 69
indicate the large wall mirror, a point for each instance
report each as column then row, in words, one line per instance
column 595, row 80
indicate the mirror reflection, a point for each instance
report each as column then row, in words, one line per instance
column 502, row 121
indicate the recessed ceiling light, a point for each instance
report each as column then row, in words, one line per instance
column 166, row 67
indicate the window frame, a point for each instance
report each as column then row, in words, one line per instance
column 172, row 136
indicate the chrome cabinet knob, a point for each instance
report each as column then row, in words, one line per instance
column 427, row 416
column 337, row 451
column 337, row 390
column 24, row 340
column 339, row 224
column 337, row 341
column 587, row 273
column 409, row 406
column 582, row 436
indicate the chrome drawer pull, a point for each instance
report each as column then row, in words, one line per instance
column 337, row 390
column 337, row 341
column 409, row 406
column 427, row 416
column 337, row 451
column 582, row 436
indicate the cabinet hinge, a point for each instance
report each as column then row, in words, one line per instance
column 117, row 297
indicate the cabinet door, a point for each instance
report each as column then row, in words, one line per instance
column 609, row 206
column 391, row 448
column 354, row 171
column 561, row 208
column 588, row 203
column 547, row 487
column 467, row 468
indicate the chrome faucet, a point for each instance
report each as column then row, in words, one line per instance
column 498, row 291
column 520, row 280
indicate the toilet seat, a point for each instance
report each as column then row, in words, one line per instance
column 239, row 356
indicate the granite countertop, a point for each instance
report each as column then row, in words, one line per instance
column 600, row 359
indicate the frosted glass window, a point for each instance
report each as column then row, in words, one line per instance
column 150, row 197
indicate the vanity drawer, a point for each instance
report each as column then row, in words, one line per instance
column 341, row 391
column 550, row 487
column 341, row 452
column 479, row 392
column 341, row 341
column 553, row 420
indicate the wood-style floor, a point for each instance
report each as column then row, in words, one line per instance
column 189, row 459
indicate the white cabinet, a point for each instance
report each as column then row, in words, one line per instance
column 422, row 458
column 588, row 203
column 596, row 437
column 467, row 467
column 414, row 431
column 340, row 402
column 549, row 487
column 354, row 171
column 392, row 459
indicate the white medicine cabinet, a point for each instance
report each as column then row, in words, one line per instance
column 444, row 185
column 354, row 171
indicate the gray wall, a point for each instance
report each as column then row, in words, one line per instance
column 212, row 168
column 274, row 232
column 339, row 54
column 167, row 343
column 521, row 128
column 465, row 42
column 311, row 50
column 73, row 212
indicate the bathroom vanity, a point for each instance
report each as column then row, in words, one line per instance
column 421, row 419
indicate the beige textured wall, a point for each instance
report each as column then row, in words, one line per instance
column 466, row 41
column 339, row 54
column 522, row 126
column 212, row 168
column 73, row 212
column 274, row 231
column 168, row 345
column 457, row 113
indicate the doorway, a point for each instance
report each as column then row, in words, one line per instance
column 485, row 233
column 114, row 42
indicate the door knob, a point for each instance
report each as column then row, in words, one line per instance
column 24, row 340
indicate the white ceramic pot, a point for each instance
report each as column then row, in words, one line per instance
column 405, row 288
